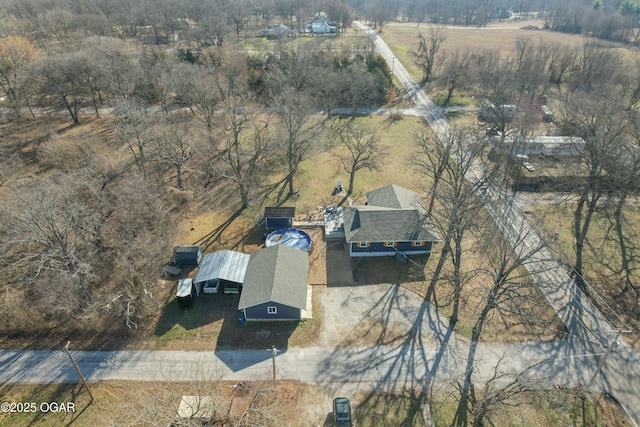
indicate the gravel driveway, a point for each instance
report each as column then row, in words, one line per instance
column 364, row 314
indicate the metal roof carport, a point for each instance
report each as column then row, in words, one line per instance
column 227, row 265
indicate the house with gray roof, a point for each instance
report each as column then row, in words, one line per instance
column 275, row 286
column 392, row 221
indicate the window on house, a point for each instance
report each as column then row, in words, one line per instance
column 389, row 244
column 362, row 244
column 272, row 310
column 418, row 243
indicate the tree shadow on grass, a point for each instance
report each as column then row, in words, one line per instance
column 207, row 309
column 214, row 236
column 43, row 395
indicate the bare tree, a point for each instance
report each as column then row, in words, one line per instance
column 61, row 81
column 528, row 63
column 379, row 11
column 357, row 148
column 597, row 68
column 508, row 294
column 561, row 60
column 70, row 80
column 115, row 72
column 456, row 69
column 48, row 237
column 195, row 87
column 448, row 162
column 16, row 54
column 243, row 140
column 241, row 152
column 238, row 14
column 427, row 56
column 626, row 180
column 135, row 127
column 140, row 223
column 301, row 132
column 172, row 145
column 340, row 13
column 500, row 390
column 596, row 119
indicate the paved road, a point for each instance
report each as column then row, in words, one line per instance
column 580, row 317
column 388, row 367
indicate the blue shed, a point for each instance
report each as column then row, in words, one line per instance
column 279, row 217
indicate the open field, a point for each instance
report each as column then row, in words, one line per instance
column 498, row 36
column 311, row 404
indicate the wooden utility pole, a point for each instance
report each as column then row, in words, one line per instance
column 75, row 365
column 274, row 351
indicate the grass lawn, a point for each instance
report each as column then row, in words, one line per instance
column 319, row 174
column 543, row 408
column 211, row 323
column 602, row 261
column 402, row 38
column 294, row 404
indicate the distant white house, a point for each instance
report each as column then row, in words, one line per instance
column 548, row 146
column 322, row 27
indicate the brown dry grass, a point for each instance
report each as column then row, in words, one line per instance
column 319, row 174
column 310, row 404
column 417, row 273
column 116, row 402
column 602, row 261
column 500, row 36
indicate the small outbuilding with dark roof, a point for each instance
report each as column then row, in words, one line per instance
column 187, row 254
column 275, row 286
column 279, row 217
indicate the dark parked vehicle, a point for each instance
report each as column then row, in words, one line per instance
column 342, row 412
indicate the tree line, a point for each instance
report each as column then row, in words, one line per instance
column 53, row 25
column 611, row 20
